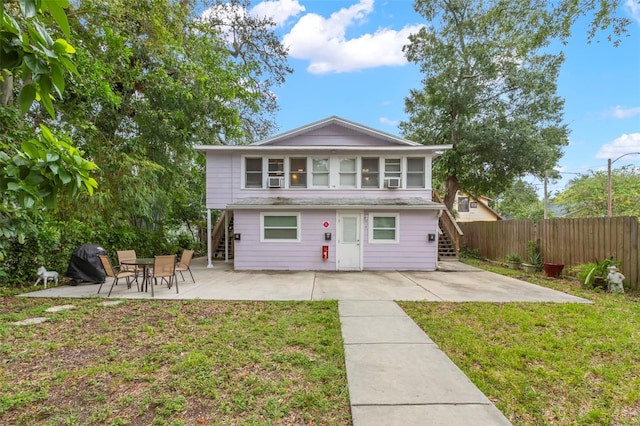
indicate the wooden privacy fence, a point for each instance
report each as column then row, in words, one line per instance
column 568, row 241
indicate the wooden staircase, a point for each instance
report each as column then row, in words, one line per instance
column 446, row 248
column 223, row 235
column 450, row 234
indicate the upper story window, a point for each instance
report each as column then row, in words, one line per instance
column 415, row 172
column 392, row 168
column 276, row 167
column 335, row 172
column 370, row 176
column 298, row 172
column 348, row 173
column 253, row 172
column 320, row 170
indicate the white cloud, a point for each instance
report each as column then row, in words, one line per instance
column 323, row 42
column 280, row 10
column 388, row 121
column 633, row 9
column 620, row 112
column 624, row 144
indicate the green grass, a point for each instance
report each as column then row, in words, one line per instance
column 171, row 363
column 543, row 363
column 256, row 363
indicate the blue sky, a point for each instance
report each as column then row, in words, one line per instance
column 347, row 60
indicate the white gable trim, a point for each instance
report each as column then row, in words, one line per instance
column 341, row 122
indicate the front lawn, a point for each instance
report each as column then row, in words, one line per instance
column 545, row 363
column 172, row 362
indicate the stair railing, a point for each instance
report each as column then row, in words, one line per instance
column 219, row 230
column 449, row 225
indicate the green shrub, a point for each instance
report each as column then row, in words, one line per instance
column 467, row 252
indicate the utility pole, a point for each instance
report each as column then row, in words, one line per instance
column 546, row 197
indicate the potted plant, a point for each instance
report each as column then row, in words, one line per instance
column 514, row 261
column 595, row 273
column 535, row 257
column 552, row 270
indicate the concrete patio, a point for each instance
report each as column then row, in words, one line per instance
column 453, row 282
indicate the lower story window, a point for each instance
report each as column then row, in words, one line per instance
column 280, row 226
column 383, row 228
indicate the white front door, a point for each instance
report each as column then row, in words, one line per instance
column 348, row 249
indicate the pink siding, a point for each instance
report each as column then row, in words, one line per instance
column 250, row 253
column 412, row 252
column 332, row 135
column 222, row 179
column 224, row 185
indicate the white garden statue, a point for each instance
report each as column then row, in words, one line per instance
column 615, row 279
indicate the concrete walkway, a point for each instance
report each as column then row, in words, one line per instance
column 396, row 374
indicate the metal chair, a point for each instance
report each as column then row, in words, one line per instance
column 115, row 273
column 164, row 267
column 185, row 263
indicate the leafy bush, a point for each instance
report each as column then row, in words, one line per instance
column 535, row 254
column 467, row 252
column 514, row 257
column 588, row 272
column 51, row 244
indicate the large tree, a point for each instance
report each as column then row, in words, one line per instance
column 488, row 91
column 37, row 165
column 520, row 201
column 156, row 78
column 489, row 86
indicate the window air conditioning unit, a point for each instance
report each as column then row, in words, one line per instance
column 275, row 182
column 392, row 182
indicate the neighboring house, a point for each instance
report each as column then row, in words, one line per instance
column 470, row 209
column 332, row 195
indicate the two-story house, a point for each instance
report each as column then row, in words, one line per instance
column 332, row 195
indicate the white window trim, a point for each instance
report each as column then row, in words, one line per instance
column 290, row 240
column 243, row 164
column 374, row 241
column 334, row 172
column 312, row 173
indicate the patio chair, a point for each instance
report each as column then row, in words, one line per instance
column 185, row 263
column 164, row 267
column 124, row 255
column 115, row 273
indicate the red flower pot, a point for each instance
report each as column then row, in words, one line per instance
column 553, row 269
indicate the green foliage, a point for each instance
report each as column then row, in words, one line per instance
column 487, row 91
column 520, row 201
column 586, row 195
column 51, row 243
column 30, row 53
column 534, row 253
column 513, row 257
column 467, row 252
column 588, row 272
column 36, row 164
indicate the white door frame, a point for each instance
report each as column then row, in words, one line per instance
column 360, row 235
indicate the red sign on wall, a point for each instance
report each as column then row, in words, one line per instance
column 325, row 224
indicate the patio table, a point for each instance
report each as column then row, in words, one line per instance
column 145, row 263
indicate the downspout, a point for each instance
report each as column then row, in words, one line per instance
column 209, row 264
column 226, row 237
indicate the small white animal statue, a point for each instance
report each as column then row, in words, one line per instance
column 44, row 275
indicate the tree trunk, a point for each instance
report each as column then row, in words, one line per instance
column 451, row 188
column 6, row 89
